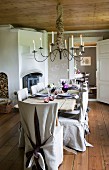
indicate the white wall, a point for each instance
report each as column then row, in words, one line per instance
column 9, row 59
column 27, row 63
column 16, row 57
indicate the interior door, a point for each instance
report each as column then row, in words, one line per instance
column 103, row 71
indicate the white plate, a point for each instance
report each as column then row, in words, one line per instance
column 64, row 95
column 41, row 95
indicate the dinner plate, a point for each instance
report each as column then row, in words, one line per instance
column 41, row 95
column 64, row 95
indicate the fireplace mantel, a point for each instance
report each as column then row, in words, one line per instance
column 31, row 71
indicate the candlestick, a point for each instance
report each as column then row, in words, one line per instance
column 72, row 41
column 40, row 42
column 81, row 39
column 33, row 44
column 52, row 37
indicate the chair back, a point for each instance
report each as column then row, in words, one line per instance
column 34, row 89
column 22, row 94
column 84, row 104
column 41, row 86
column 37, row 88
column 39, row 122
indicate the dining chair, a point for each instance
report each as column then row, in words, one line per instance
column 41, row 86
column 22, row 94
column 37, row 88
column 43, row 139
column 34, row 89
column 75, row 125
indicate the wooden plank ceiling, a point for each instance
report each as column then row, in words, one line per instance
column 41, row 14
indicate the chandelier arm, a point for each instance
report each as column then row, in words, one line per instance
column 53, row 58
column 50, row 55
column 65, row 55
column 72, row 56
column 56, row 50
column 40, row 60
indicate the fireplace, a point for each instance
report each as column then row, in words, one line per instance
column 3, row 85
column 31, row 79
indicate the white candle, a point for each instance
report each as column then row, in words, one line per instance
column 50, row 48
column 75, row 54
column 65, row 44
column 72, row 41
column 80, row 53
column 81, row 39
column 33, row 44
column 52, row 37
column 83, row 47
column 40, row 42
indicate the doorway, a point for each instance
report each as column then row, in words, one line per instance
column 88, row 65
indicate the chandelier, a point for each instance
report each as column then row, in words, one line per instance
column 60, row 46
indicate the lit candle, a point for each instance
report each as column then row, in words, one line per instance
column 52, row 37
column 33, row 44
column 80, row 53
column 65, row 44
column 75, row 54
column 40, row 42
column 50, row 48
column 81, row 39
column 72, row 41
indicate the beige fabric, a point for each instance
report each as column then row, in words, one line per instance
column 74, row 130
column 34, row 89
column 63, row 104
column 41, row 86
column 37, row 88
column 53, row 148
column 22, row 94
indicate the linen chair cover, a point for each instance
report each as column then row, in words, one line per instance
column 41, row 86
column 84, row 105
column 74, row 129
column 34, row 89
column 43, row 139
column 37, row 88
column 22, row 94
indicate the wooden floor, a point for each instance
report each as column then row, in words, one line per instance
column 96, row 158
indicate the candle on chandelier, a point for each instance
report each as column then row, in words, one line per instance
column 65, row 44
column 72, row 41
column 52, row 37
column 81, row 39
column 33, row 44
column 40, row 42
column 83, row 47
column 75, row 54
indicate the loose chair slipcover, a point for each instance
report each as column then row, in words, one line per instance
column 43, row 139
column 37, row 88
column 22, row 94
column 75, row 129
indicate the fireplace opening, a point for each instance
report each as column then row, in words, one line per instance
column 3, row 85
column 30, row 80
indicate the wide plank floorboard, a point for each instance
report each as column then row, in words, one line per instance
column 94, row 158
